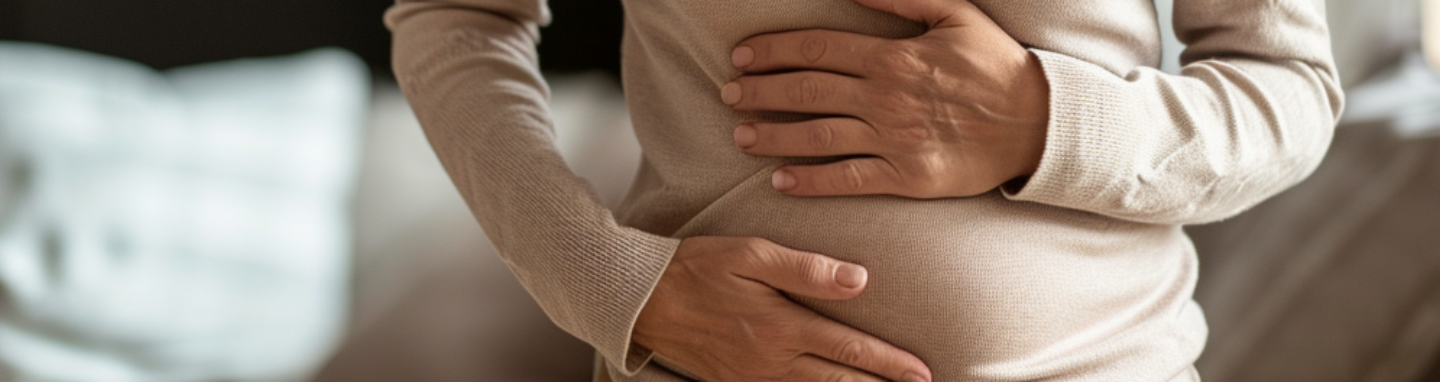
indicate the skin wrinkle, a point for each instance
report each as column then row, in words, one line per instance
column 823, row 136
column 854, row 179
column 809, row 91
column 813, row 49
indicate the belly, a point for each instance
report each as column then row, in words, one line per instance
column 979, row 288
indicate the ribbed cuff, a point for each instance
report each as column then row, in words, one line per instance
column 654, row 254
column 1090, row 142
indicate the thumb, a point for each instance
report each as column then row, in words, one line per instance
column 935, row 13
column 804, row 273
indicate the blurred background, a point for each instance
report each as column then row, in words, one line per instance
column 237, row 191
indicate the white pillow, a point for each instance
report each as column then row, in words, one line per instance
column 178, row 226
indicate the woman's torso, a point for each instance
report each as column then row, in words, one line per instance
column 980, row 288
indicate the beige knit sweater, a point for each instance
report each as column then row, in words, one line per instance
column 1084, row 274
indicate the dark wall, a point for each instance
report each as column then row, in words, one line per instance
column 583, row 35
column 169, row 33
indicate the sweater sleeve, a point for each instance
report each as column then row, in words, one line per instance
column 470, row 71
column 1251, row 114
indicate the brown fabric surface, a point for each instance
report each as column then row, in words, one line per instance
column 1337, row 279
column 1082, row 275
column 1434, row 373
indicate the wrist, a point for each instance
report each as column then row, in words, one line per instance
column 1033, row 96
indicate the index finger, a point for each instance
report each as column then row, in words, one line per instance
column 811, row 49
column 851, row 347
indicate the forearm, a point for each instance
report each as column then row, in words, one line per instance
column 1250, row 115
column 470, row 73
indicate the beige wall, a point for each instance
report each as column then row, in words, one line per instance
column 1432, row 32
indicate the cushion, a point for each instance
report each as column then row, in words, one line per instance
column 185, row 225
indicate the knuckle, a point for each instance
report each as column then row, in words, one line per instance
column 822, row 136
column 897, row 103
column 852, row 177
column 814, row 270
column 927, row 175
column 752, row 244
column 754, row 247
column 813, row 49
column 901, row 59
column 851, row 352
column 931, row 167
column 911, row 137
column 805, row 90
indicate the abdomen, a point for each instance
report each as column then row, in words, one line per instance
column 986, row 288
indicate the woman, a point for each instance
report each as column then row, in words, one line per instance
column 944, row 190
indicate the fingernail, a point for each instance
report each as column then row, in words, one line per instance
column 912, row 377
column 782, row 180
column 850, row 276
column 745, row 136
column 730, row 93
column 742, row 56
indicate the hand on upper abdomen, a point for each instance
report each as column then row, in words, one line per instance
column 954, row 112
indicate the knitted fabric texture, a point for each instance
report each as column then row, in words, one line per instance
column 1081, row 275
